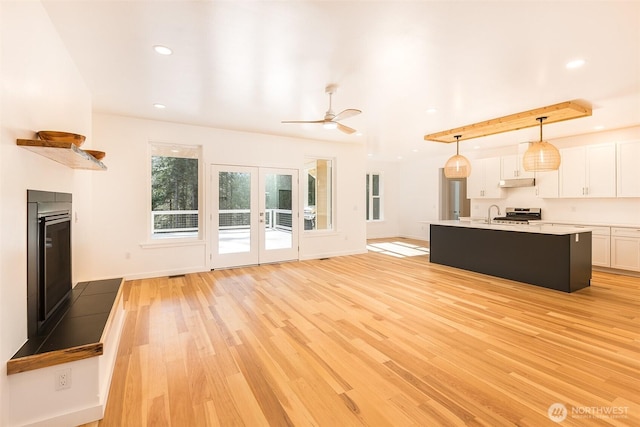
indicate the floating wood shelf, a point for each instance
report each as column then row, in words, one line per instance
column 554, row 113
column 63, row 152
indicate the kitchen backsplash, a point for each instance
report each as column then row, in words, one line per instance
column 600, row 211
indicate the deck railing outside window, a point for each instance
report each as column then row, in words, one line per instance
column 175, row 223
column 280, row 219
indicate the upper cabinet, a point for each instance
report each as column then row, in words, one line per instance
column 628, row 171
column 512, row 167
column 484, row 181
column 547, row 185
column 588, row 171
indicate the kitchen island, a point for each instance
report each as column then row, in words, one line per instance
column 552, row 257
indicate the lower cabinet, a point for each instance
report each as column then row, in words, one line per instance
column 600, row 244
column 613, row 247
column 601, row 247
column 625, row 248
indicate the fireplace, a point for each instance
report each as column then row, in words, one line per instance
column 48, row 258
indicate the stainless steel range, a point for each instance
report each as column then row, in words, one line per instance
column 519, row 216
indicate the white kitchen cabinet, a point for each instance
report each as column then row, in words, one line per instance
column 547, row 185
column 484, row 181
column 625, row 248
column 588, row 171
column 628, row 172
column 600, row 243
column 511, row 167
column 601, row 246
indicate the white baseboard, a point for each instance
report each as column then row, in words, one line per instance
column 79, row 417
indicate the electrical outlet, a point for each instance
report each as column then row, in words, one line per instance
column 63, row 379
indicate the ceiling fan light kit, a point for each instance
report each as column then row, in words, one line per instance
column 541, row 156
column 331, row 120
column 457, row 166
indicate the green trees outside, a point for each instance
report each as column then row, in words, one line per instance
column 174, row 187
column 234, row 190
column 174, row 183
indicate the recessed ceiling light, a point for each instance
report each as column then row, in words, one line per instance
column 476, row 147
column 599, row 127
column 415, row 150
column 399, row 157
column 358, row 133
column 576, row 63
column 160, row 106
column 431, row 110
column 162, row 50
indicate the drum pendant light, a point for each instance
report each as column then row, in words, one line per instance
column 541, row 156
column 457, row 166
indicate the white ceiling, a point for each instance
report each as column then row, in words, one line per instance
column 247, row 65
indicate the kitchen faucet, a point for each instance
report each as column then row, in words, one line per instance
column 489, row 213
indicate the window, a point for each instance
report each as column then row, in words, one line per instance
column 374, row 197
column 318, row 181
column 175, row 191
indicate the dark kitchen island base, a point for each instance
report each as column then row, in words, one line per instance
column 551, row 260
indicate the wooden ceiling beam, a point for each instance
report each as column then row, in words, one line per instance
column 554, row 113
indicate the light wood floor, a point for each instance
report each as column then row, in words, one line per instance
column 374, row 340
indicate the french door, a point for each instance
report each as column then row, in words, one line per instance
column 254, row 215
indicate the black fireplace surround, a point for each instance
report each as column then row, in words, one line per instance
column 48, row 259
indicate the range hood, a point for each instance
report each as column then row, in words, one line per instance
column 518, row 182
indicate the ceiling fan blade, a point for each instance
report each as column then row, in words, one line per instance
column 345, row 129
column 302, row 121
column 345, row 114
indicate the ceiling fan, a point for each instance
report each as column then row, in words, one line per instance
column 331, row 120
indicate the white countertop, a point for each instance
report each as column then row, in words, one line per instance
column 528, row 228
column 588, row 223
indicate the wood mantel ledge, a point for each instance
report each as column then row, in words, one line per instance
column 65, row 355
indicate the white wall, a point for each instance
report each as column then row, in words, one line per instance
column 41, row 90
column 418, row 190
column 121, row 202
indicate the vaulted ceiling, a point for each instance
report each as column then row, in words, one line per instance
column 248, row 65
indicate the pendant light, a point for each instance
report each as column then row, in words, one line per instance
column 541, row 156
column 457, row 166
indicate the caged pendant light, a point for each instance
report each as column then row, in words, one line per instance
column 541, row 156
column 457, row 166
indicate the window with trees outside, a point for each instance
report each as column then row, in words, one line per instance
column 374, row 197
column 318, row 182
column 175, row 191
